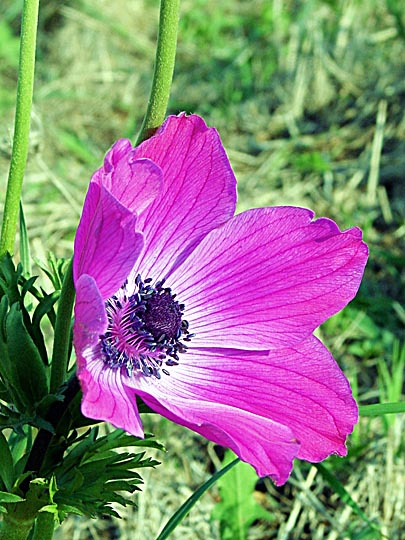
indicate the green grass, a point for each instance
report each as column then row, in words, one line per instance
column 295, row 89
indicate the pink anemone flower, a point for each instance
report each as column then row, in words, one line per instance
column 208, row 317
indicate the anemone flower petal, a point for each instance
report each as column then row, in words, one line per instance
column 268, row 278
column 268, row 446
column 134, row 182
column 300, row 388
column 106, row 244
column 104, row 396
column 199, row 191
column 224, row 344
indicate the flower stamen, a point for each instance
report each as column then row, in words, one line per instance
column 145, row 330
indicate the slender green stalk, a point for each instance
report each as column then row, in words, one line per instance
column 378, row 409
column 25, row 87
column 164, row 67
column 62, row 337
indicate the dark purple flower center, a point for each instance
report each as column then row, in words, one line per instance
column 145, row 329
column 163, row 316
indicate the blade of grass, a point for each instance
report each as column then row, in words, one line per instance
column 382, row 408
column 187, row 506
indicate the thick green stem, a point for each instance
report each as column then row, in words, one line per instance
column 164, row 67
column 39, row 451
column 44, row 526
column 25, row 87
column 62, row 337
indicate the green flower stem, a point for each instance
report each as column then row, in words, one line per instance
column 62, row 337
column 164, row 67
column 25, row 87
column 37, row 459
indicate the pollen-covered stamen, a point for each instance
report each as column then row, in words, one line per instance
column 145, row 329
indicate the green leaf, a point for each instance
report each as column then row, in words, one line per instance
column 185, row 508
column 55, row 270
column 9, row 278
column 7, row 368
column 93, row 476
column 25, row 254
column 10, row 418
column 119, row 439
column 238, row 509
column 44, row 307
column 28, row 369
column 6, row 464
column 9, row 497
column 4, row 393
column 20, row 443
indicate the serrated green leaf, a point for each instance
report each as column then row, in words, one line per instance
column 6, row 464
column 55, row 270
column 69, row 509
column 45, row 307
column 237, row 509
column 20, row 443
column 33, row 330
column 77, row 481
column 120, row 439
column 23, row 476
column 5, row 364
column 121, row 485
column 27, row 285
column 93, row 475
column 51, row 508
column 9, row 278
column 7, row 368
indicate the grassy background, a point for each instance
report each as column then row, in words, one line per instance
column 308, row 97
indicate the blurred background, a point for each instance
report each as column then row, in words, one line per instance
column 308, row 97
